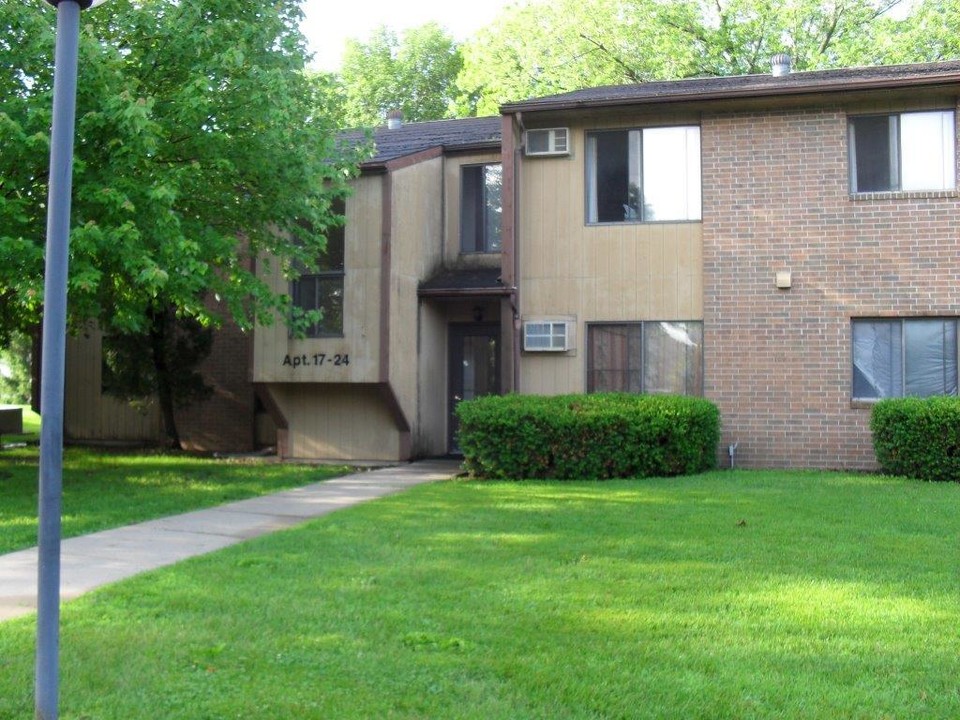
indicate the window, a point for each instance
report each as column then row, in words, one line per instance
column 645, row 357
column 910, row 151
column 480, row 208
column 892, row 358
column 645, row 175
column 322, row 288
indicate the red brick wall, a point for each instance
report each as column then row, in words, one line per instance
column 778, row 362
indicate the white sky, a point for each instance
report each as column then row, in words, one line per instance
column 329, row 23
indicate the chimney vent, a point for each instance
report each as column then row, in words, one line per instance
column 780, row 64
column 394, row 120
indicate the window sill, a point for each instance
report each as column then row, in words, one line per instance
column 904, row 195
column 863, row 404
column 617, row 223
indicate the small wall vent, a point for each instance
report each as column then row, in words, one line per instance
column 549, row 141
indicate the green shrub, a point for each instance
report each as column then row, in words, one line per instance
column 596, row 436
column 918, row 437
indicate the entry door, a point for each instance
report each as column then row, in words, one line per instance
column 474, row 368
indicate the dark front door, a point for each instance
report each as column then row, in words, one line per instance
column 474, row 368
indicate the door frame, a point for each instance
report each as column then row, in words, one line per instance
column 456, row 332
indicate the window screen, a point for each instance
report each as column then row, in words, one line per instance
column 646, row 357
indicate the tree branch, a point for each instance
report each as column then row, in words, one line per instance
column 628, row 71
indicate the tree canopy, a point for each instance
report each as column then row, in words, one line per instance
column 527, row 52
column 199, row 147
column 414, row 72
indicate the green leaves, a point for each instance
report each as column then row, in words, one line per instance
column 594, row 436
column 415, row 73
column 918, row 437
column 197, row 144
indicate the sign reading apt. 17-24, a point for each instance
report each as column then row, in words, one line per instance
column 315, row 360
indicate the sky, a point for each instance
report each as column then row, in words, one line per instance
column 329, row 23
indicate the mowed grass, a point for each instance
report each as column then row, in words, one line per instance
column 103, row 489
column 727, row 595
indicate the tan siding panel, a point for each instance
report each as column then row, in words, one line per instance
column 337, row 422
column 361, row 325
column 616, row 272
column 90, row 416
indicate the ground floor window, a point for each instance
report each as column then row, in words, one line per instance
column 645, row 357
column 897, row 357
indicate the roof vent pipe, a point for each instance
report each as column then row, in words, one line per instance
column 780, row 64
column 394, row 120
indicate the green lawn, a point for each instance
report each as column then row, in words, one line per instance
column 103, row 489
column 728, row 595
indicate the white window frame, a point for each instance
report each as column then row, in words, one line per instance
column 635, row 377
column 664, row 175
column 912, row 138
column 481, row 229
column 900, row 357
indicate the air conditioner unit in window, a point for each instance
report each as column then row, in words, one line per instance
column 548, row 336
column 550, row 141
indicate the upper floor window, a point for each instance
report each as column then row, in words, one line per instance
column 902, row 152
column 645, row 357
column 897, row 357
column 480, row 208
column 322, row 288
column 644, row 175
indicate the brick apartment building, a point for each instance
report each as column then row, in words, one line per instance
column 785, row 245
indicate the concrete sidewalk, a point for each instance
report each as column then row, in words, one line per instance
column 90, row 561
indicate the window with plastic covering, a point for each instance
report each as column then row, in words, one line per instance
column 904, row 356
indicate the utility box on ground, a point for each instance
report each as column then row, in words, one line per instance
column 11, row 421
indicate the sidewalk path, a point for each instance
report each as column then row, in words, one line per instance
column 90, row 561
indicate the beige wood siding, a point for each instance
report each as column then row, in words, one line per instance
column 361, row 308
column 416, row 254
column 88, row 414
column 595, row 273
column 337, row 422
column 431, row 422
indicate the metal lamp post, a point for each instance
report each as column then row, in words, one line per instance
column 54, row 347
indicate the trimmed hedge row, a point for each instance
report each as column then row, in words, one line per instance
column 597, row 436
column 918, row 437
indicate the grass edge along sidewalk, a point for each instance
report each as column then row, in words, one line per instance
column 110, row 488
column 736, row 594
column 91, row 561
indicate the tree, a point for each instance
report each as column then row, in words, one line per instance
column 198, row 149
column 161, row 361
column 528, row 52
column 415, row 73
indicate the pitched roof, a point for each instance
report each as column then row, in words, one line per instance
column 748, row 86
column 411, row 138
